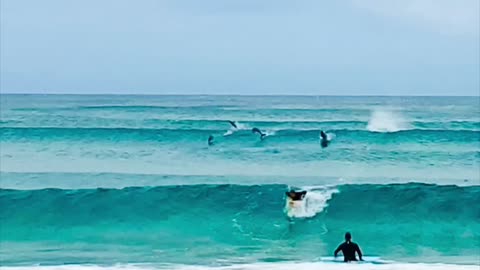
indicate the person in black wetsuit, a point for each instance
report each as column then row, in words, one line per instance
column 348, row 248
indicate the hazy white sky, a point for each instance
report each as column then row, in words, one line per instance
column 346, row 47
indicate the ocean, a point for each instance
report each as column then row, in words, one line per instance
column 130, row 182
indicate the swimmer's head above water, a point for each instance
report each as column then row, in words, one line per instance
column 348, row 237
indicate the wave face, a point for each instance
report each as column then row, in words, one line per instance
column 393, row 221
column 195, row 135
column 96, row 181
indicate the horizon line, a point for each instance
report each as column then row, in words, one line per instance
column 226, row 95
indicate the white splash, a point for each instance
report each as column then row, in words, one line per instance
column 232, row 130
column 315, row 202
column 270, row 133
column 229, row 132
column 330, row 136
column 385, row 120
column 337, row 265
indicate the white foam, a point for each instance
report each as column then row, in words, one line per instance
column 330, row 136
column 232, row 130
column 315, row 201
column 338, row 265
column 335, row 266
column 270, row 132
column 229, row 132
column 385, row 120
column 80, row 267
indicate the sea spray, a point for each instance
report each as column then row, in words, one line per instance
column 240, row 126
column 387, row 120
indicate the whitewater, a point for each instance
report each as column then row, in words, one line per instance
column 130, row 182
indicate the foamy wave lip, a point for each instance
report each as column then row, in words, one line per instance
column 385, row 120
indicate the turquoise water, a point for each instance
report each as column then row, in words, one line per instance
column 130, row 181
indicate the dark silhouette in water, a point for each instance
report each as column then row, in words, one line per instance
column 258, row 131
column 348, row 248
column 233, row 124
column 324, row 141
column 296, row 195
column 210, row 140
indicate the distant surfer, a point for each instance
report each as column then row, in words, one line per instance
column 258, row 131
column 233, row 124
column 348, row 248
column 324, row 139
column 210, row 140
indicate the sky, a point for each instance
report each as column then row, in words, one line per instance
column 344, row 47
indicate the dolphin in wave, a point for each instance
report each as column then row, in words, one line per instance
column 324, row 139
column 233, row 124
column 258, row 131
column 210, row 140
